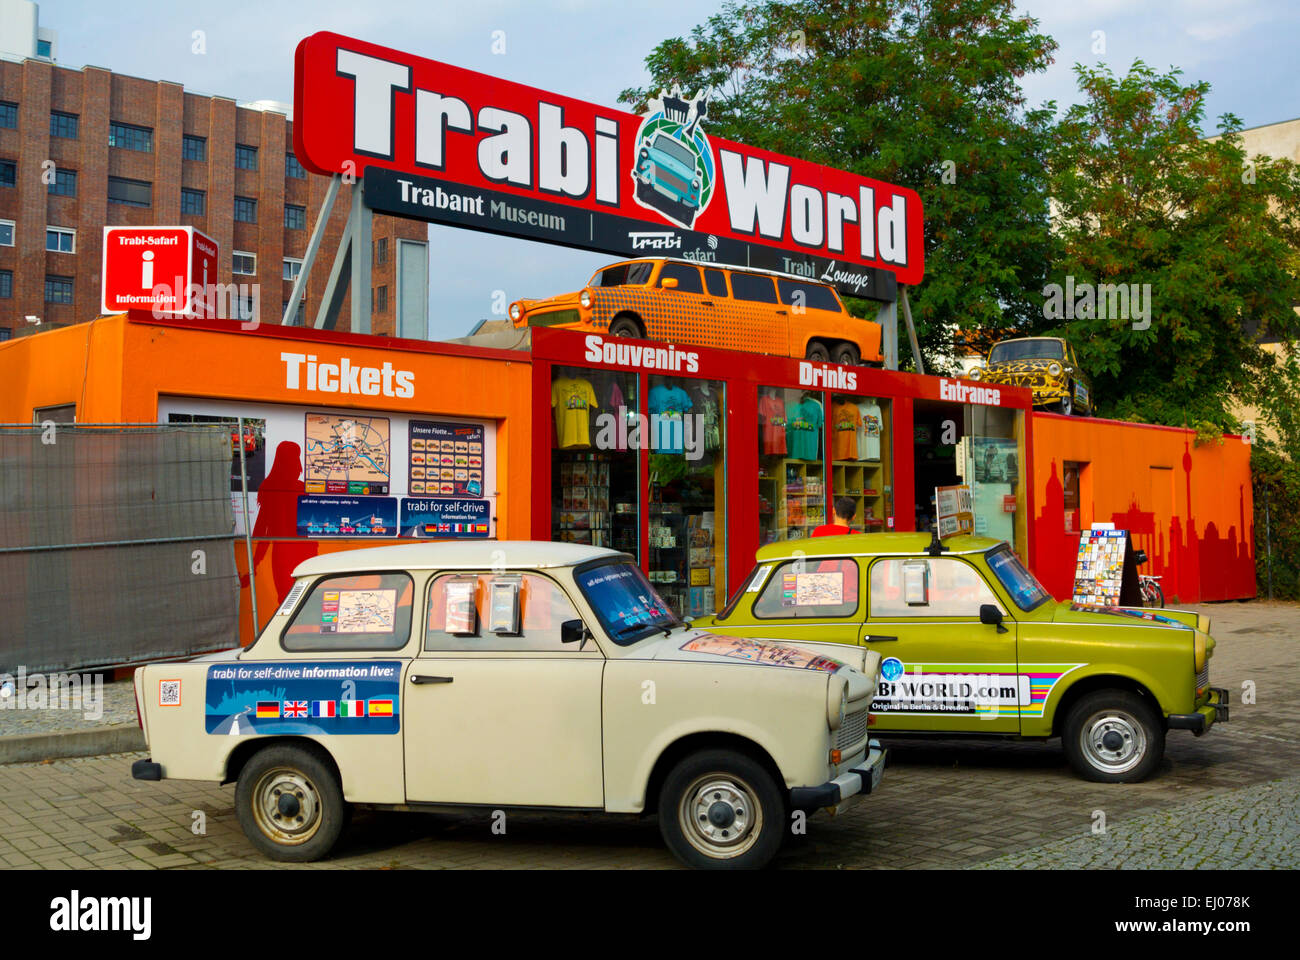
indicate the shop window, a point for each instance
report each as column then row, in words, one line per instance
column 820, row 589
column 791, row 472
column 595, row 479
column 364, row 612
column 687, row 509
column 861, row 461
column 498, row 612
column 989, row 462
column 939, row 587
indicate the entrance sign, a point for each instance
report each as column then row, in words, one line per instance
column 955, row 511
column 164, row 269
column 444, row 144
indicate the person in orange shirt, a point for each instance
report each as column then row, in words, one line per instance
column 845, row 508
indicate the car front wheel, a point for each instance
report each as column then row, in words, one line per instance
column 289, row 804
column 625, row 325
column 1113, row 736
column 722, row 810
column 1066, row 405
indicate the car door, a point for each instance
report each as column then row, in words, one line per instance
column 942, row 670
column 498, row 709
column 677, row 313
column 816, row 599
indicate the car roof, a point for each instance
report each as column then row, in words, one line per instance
column 448, row 555
column 730, row 267
column 871, row 544
column 1022, row 339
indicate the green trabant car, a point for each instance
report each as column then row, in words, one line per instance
column 974, row 645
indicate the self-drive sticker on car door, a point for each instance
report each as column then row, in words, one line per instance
column 329, row 697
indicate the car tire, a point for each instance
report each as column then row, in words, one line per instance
column 817, row 352
column 1066, row 406
column 722, row 810
column 625, row 325
column 1113, row 736
column 290, row 804
column 846, row 354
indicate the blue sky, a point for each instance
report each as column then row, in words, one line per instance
column 592, row 50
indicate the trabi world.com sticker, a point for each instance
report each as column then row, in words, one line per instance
column 891, row 668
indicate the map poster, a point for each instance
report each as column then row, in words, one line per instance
column 446, row 459
column 812, row 589
column 347, row 516
column 345, row 454
column 447, row 519
column 366, row 611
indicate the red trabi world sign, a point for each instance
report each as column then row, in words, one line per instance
column 443, row 138
column 166, row 270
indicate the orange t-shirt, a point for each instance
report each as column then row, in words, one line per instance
column 846, row 421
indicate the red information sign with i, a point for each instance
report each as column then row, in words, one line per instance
column 167, row 270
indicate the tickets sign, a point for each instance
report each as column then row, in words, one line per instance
column 441, row 143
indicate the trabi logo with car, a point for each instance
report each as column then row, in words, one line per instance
column 673, row 169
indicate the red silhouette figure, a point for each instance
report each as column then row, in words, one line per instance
column 277, row 516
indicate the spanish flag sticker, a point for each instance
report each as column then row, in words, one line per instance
column 380, row 708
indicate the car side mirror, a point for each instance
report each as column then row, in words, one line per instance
column 991, row 615
column 668, row 283
column 573, row 631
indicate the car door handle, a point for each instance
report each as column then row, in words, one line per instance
column 875, row 638
column 706, row 303
column 420, row 678
column 782, row 312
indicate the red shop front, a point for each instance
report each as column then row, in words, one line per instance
column 690, row 458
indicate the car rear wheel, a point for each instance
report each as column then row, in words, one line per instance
column 722, row 810
column 817, row 352
column 1066, row 406
column 846, row 354
column 1113, row 736
column 625, row 325
column 289, row 804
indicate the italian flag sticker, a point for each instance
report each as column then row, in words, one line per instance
column 352, row 708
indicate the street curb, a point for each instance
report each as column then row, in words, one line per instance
column 76, row 743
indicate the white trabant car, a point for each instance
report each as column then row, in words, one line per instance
column 511, row 675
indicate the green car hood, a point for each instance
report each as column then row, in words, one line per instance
column 1067, row 612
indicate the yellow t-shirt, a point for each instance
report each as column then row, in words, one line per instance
column 572, row 401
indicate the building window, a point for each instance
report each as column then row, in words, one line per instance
column 64, row 125
column 295, row 218
column 44, row 49
column 292, row 268
column 6, row 284
column 245, row 157
column 8, row 115
column 244, row 308
column 292, row 168
column 244, row 263
column 194, row 202
column 194, row 148
column 381, row 299
column 6, row 233
column 381, row 250
column 58, row 289
column 8, row 173
column 297, row 319
column 60, row 240
column 245, row 210
column 5, row 333
column 132, row 193
column 130, row 137
column 64, row 183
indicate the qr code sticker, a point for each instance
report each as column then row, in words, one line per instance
column 169, row 693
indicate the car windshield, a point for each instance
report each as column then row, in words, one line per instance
column 628, row 607
column 622, row 274
column 1022, row 585
column 675, row 149
column 1026, row 350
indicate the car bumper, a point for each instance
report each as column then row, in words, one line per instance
column 860, row 780
column 1214, row 711
column 146, row 770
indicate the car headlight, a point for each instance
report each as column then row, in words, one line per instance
column 975, row 373
column 837, row 701
column 1054, row 369
column 515, row 312
column 584, row 298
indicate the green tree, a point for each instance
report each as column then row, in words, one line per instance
column 922, row 93
column 1141, row 198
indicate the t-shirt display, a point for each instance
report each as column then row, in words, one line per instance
column 869, row 430
column 572, row 400
column 710, row 421
column 771, row 418
column 669, row 404
column 846, row 422
column 804, row 429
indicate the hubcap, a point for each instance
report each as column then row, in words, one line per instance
column 286, row 806
column 1113, row 741
column 719, row 817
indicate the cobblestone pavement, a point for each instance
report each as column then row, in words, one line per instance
column 1227, row 799
column 113, row 704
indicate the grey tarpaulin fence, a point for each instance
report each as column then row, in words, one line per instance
column 100, row 533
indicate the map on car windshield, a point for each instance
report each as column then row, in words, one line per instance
column 367, row 611
column 347, row 454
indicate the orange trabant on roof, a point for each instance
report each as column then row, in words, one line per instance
column 713, row 306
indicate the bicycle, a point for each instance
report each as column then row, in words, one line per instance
column 1152, row 594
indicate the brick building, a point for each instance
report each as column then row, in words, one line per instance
column 84, row 148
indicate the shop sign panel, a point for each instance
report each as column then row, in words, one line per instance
column 453, row 519
column 167, row 270
column 439, row 143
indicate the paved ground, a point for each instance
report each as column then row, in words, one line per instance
column 91, row 707
column 1228, row 799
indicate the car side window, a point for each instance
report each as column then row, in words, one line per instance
column 751, row 286
column 814, row 296
column 497, row 612
column 360, row 612
column 715, row 281
column 928, row 587
column 687, row 277
column 810, row 587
